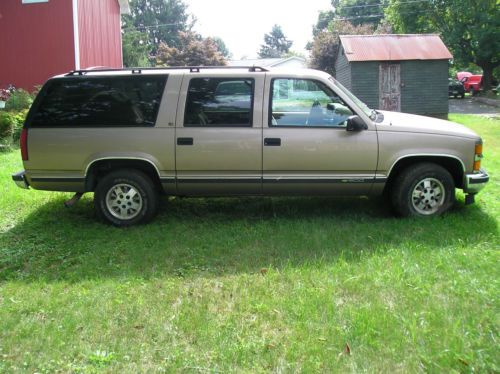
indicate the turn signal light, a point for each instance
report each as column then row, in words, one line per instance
column 478, row 155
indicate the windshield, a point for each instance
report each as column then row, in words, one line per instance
column 369, row 112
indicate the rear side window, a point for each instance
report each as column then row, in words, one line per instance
column 216, row 102
column 100, row 102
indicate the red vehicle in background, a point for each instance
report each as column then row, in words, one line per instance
column 463, row 74
column 472, row 83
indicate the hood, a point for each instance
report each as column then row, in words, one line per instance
column 403, row 122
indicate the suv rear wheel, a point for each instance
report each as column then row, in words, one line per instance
column 125, row 198
column 423, row 190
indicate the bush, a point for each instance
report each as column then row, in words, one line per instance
column 35, row 92
column 6, row 121
column 19, row 100
column 11, row 125
column 17, row 124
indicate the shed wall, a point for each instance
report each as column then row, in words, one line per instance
column 36, row 41
column 365, row 76
column 343, row 69
column 100, row 33
column 424, row 87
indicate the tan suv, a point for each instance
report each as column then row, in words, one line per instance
column 130, row 135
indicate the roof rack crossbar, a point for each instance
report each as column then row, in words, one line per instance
column 192, row 69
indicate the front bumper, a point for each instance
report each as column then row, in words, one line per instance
column 20, row 180
column 476, row 182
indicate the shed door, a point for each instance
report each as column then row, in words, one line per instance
column 390, row 87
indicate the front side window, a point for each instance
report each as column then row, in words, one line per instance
column 100, row 102
column 217, row 102
column 304, row 102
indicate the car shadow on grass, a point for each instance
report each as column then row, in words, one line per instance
column 218, row 236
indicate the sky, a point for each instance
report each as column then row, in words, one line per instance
column 243, row 23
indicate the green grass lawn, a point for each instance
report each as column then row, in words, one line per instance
column 250, row 284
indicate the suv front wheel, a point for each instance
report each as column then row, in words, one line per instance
column 125, row 198
column 423, row 190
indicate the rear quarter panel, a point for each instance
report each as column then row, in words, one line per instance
column 67, row 152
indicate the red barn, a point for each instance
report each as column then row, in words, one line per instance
column 43, row 38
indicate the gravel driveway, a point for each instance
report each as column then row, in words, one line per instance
column 469, row 106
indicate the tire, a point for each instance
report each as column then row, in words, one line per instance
column 126, row 197
column 423, row 190
column 472, row 91
column 462, row 95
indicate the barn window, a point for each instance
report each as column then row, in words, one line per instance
column 34, row 1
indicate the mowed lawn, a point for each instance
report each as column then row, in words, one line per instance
column 251, row 284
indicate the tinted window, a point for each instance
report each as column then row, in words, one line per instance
column 215, row 102
column 302, row 102
column 96, row 101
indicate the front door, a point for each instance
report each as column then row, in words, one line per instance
column 219, row 136
column 307, row 150
column 390, row 87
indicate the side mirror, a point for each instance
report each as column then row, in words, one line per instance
column 355, row 123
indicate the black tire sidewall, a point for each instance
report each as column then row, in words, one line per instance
column 405, row 184
column 139, row 181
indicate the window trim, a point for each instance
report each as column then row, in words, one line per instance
column 33, row 1
column 41, row 95
column 222, row 79
column 270, row 115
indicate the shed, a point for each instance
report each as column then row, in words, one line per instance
column 42, row 38
column 407, row 73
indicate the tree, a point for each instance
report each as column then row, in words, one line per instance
column 161, row 20
column 222, row 48
column 193, row 50
column 276, row 44
column 360, row 12
column 325, row 17
column 326, row 44
column 470, row 28
column 136, row 50
column 324, row 51
column 346, row 17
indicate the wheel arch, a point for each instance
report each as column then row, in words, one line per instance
column 452, row 164
column 102, row 166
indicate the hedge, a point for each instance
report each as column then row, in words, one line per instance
column 11, row 124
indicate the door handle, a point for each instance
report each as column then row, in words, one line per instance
column 184, row 141
column 272, row 142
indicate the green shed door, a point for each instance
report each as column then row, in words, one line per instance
column 390, row 87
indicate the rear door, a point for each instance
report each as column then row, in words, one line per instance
column 219, row 135
column 307, row 149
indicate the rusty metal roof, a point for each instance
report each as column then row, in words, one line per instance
column 393, row 47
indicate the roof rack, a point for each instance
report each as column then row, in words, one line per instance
column 192, row 69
